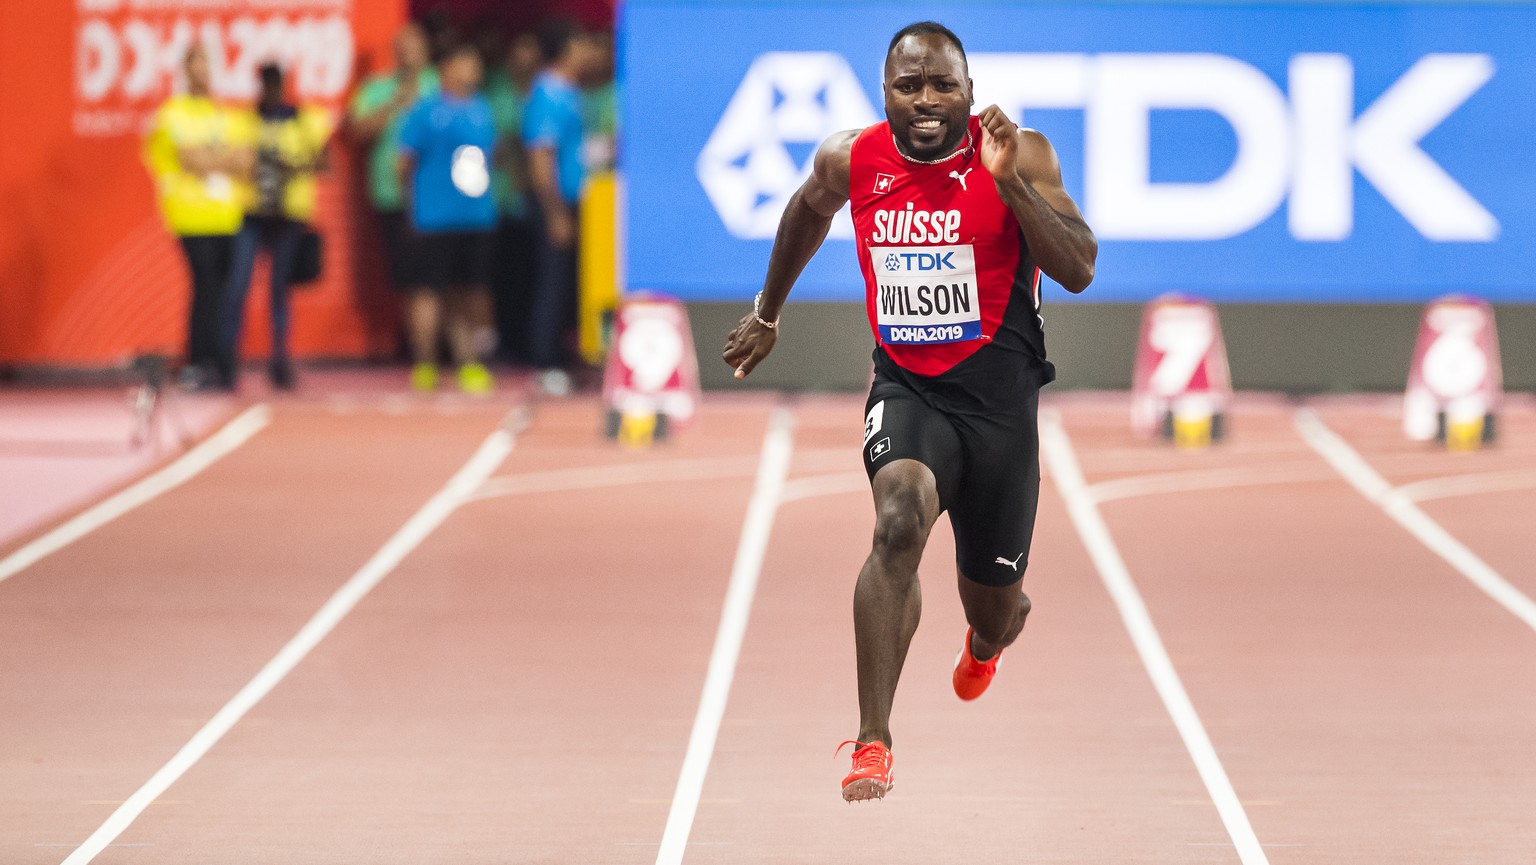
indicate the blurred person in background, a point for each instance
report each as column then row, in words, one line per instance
column 507, row 87
column 447, row 143
column 553, row 137
column 442, row 34
column 600, row 108
column 375, row 117
column 195, row 153
column 287, row 143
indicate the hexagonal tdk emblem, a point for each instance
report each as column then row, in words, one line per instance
column 892, row 262
column 763, row 147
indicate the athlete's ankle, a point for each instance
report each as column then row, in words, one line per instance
column 983, row 651
column 870, row 736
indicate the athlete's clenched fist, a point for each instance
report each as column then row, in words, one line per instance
column 999, row 142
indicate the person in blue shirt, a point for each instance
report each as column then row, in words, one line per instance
column 552, row 138
column 447, row 144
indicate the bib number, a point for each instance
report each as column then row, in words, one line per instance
column 926, row 294
column 469, row 171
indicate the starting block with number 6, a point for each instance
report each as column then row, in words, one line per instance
column 1181, row 389
column 1456, row 381
column 651, row 381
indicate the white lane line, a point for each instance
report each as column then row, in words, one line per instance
column 1466, row 485
column 1133, row 611
column 1348, row 462
column 832, row 484
column 1209, row 479
column 458, row 489
column 234, row 434
column 595, row 477
column 772, row 467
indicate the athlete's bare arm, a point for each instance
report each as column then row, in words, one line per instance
column 1028, row 177
column 802, row 228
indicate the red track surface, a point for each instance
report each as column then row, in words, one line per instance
column 521, row 688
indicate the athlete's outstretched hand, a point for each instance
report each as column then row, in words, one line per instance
column 748, row 344
column 999, row 142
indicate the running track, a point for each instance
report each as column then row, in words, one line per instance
column 518, row 668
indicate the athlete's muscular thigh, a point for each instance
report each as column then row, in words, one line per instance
column 900, row 426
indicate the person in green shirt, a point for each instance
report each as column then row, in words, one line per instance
column 374, row 120
column 600, row 110
column 506, row 89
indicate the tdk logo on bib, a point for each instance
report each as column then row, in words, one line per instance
column 919, row 261
column 926, row 295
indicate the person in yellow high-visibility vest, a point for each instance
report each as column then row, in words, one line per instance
column 195, row 153
column 289, row 142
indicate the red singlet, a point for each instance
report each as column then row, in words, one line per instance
column 948, row 278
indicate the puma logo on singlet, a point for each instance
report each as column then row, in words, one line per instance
column 960, row 176
column 1013, row 564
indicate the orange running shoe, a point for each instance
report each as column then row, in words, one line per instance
column 972, row 676
column 871, row 775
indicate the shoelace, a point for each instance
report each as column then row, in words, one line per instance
column 866, row 755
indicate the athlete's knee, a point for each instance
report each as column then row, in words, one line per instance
column 901, row 522
column 899, row 532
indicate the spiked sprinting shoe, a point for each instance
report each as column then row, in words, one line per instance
column 972, row 676
column 871, row 775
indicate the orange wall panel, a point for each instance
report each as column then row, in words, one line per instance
column 89, row 275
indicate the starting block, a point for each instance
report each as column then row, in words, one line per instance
column 651, row 380
column 1181, row 389
column 1456, row 381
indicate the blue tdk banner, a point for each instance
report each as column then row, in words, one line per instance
column 1240, row 152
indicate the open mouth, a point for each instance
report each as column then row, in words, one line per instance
column 927, row 125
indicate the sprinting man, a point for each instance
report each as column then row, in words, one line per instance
column 956, row 217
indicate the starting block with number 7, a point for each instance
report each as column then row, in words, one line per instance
column 651, row 381
column 1456, row 381
column 1181, row 389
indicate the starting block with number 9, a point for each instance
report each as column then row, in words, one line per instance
column 1456, row 381
column 651, row 381
column 1181, row 389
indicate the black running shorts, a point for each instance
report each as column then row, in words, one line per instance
column 987, row 467
column 456, row 259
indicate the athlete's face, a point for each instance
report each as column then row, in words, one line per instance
column 927, row 95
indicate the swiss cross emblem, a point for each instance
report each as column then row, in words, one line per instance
column 883, row 182
column 879, row 449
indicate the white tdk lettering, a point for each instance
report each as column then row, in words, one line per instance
column 916, row 226
column 1308, row 144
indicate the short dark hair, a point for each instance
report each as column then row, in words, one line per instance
column 271, row 74
column 926, row 28
column 461, row 49
column 555, row 36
